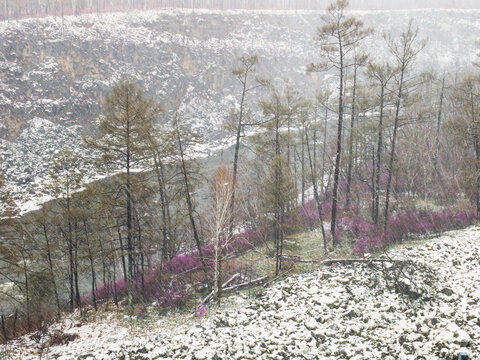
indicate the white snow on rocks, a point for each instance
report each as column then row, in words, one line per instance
column 335, row 312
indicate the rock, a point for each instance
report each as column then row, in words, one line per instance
column 311, row 324
column 462, row 338
column 447, row 291
column 350, row 314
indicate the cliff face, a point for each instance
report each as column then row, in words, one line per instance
column 58, row 71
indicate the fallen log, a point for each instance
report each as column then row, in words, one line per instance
column 246, row 284
column 212, row 293
column 364, row 261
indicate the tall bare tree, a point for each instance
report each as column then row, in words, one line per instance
column 404, row 51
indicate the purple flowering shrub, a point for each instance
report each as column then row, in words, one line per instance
column 405, row 223
column 201, row 311
column 172, row 283
column 163, row 283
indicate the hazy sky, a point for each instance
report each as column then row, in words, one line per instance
column 415, row 4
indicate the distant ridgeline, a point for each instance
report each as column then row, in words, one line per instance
column 15, row 9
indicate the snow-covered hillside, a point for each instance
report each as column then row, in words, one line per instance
column 54, row 72
column 336, row 312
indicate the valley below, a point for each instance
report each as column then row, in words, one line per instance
column 55, row 72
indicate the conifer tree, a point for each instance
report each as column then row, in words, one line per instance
column 124, row 146
column 279, row 194
column 338, row 37
column 66, row 178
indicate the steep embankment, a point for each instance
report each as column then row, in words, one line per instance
column 54, row 72
column 336, row 312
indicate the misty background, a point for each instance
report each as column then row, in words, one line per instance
column 15, row 9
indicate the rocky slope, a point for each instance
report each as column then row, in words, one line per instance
column 59, row 70
column 336, row 312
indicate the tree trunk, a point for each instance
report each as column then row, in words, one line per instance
column 351, row 139
column 392, row 152
column 92, row 266
column 379, row 156
column 52, row 274
column 316, row 194
column 190, row 206
column 336, row 176
column 437, row 139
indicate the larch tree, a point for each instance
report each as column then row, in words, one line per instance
column 123, row 146
column 279, row 195
column 65, row 178
column 315, row 180
column 359, row 60
column 338, row 37
column 189, row 172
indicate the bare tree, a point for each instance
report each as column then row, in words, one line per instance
column 221, row 189
column 404, row 51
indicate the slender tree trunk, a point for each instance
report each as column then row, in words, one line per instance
column 316, row 194
column 392, row 152
column 190, row 205
column 477, row 176
column 115, row 294
column 27, row 292
column 302, row 163
column 373, row 183
column 52, row 273
column 379, row 156
column 92, row 266
column 336, row 176
column 129, row 207
column 162, row 192
column 70, row 247
column 75, row 273
column 437, row 139
column 278, row 214
column 324, row 150
column 351, row 139
column 237, row 148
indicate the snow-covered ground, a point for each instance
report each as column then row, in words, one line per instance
column 336, row 312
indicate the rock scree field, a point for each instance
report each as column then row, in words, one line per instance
column 424, row 308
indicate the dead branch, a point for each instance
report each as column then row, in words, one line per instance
column 364, row 261
column 277, row 278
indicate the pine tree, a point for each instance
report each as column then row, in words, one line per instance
column 381, row 75
column 241, row 117
column 338, row 37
